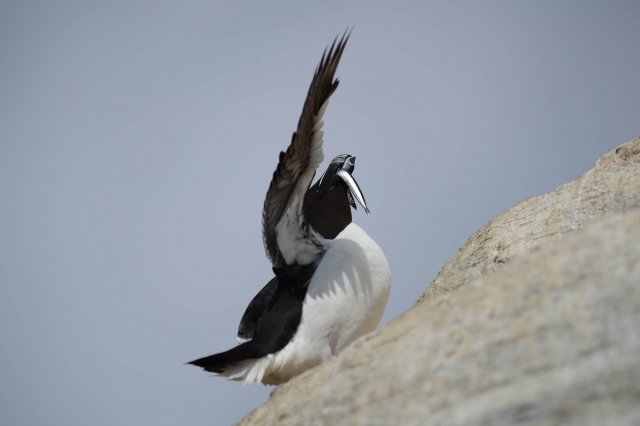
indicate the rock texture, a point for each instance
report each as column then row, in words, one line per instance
column 611, row 186
column 550, row 337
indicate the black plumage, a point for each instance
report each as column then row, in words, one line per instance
column 278, row 322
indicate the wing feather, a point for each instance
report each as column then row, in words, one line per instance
column 297, row 165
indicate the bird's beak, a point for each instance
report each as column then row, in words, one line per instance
column 354, row 189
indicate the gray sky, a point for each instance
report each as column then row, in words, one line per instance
column 137, row 140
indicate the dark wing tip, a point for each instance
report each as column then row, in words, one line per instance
column 326, row 69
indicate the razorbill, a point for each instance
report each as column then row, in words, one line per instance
column 332, row 280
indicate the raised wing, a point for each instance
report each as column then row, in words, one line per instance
column 283, row 224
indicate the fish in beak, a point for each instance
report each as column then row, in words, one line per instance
column 355, row 193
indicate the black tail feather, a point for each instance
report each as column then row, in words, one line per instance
column 220, row 362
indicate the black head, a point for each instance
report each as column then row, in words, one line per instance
column 327, row 205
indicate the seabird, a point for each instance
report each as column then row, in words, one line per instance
column 332, row 280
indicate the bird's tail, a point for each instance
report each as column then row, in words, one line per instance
column 241, row 363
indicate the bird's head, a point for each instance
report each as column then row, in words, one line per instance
column 328, row 202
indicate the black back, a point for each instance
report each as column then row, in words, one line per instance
column 277, row 324
column 256, row 308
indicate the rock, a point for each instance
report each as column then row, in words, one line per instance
column 550, row 337
column 610, row 187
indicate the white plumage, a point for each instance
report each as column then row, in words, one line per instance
column 346, row 298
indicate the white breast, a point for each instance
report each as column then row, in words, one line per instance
column 346, row 298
